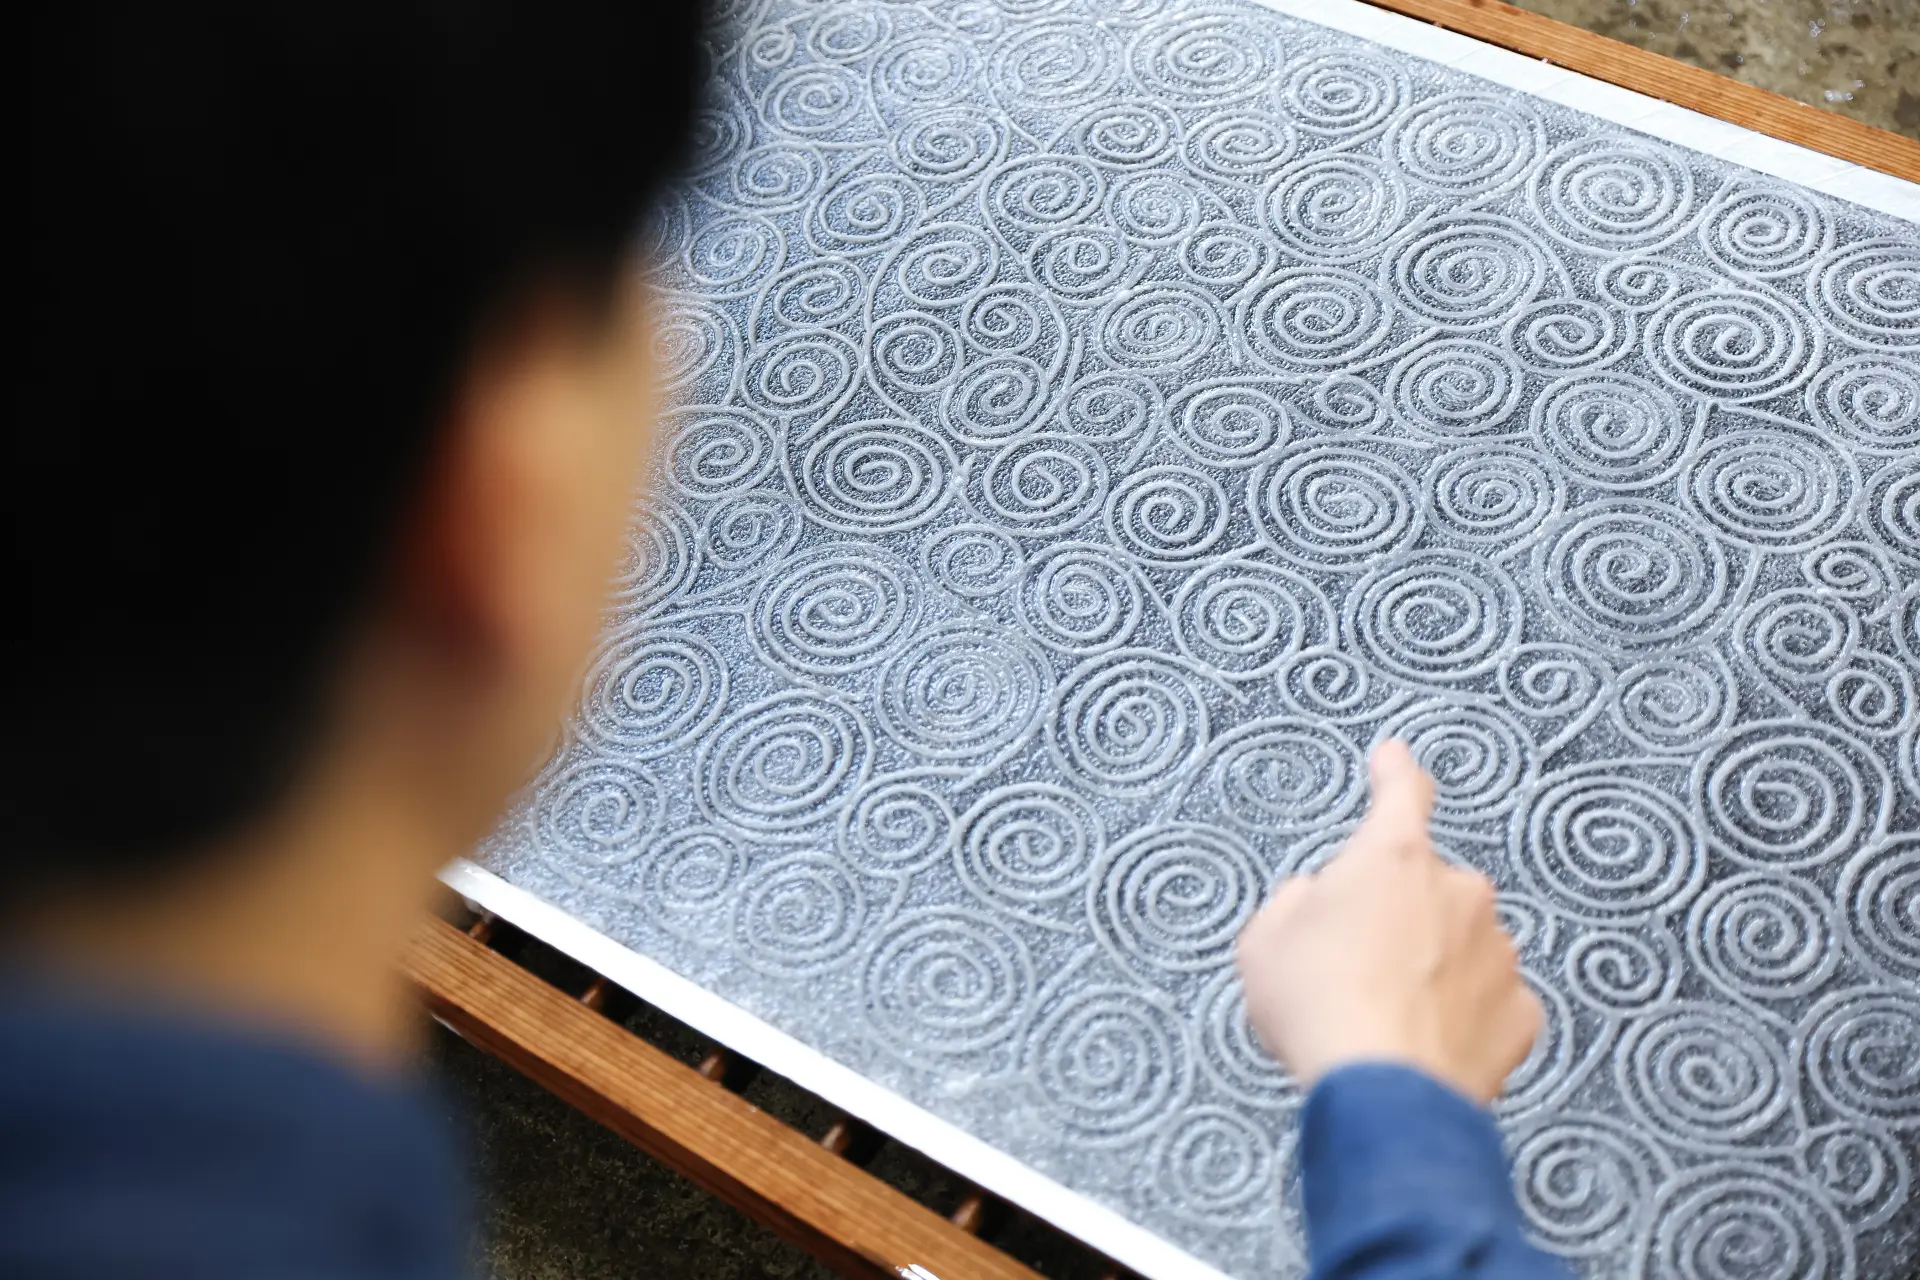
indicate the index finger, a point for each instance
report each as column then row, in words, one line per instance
column 1402, row 795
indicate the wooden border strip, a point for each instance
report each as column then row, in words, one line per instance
column 834, row 1210
column 1661, row 77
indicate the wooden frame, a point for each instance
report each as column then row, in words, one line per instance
column 802, row 1187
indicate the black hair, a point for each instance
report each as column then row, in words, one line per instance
column 261, row 244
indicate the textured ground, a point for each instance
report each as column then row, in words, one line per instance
column 561, row 1197
column 1861, row 59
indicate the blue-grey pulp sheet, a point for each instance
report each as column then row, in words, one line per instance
column 1096, row 426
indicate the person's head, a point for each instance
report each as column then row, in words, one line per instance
column 332, row 406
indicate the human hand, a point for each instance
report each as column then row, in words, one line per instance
column 1389, row 954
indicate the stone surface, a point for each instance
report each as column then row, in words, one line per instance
column 1092, row 437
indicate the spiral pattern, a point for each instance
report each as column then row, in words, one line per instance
column 1864, row 1172
column 1892, row 508
column 1765, row 230
column 1608, row 193
column 1171, row 899
column 865, row 211
column 1160, row 327
column 1114, row 406
column 1241, row 146
column 799, row 915
column 994, row 400
column 865, row 476
column 1328, row 684
column 1870, row 401
column 1456, row 387
column 974, row 561
column 1318, row 319
column 712, row 452
column 1673, row 704
column 948, row 146
column 688, row 875
column 805, row 374
column 944, row 264
column 1167, row 516
column 1622, row 572
column 1560, row 335
column 1109, row 1063
column 1798, row 636
column 771, row 766
column 1335, row 505
column 1010, row 319
column 835, row 608
column 1618, row 973
column 1767, row 937
column 1479, row 758
column 1243, row 618
column 895, row 825
column 1337, row 208
column 1469, row 271
column 1028, row 844
column 1154, row 209
column 1466, row 143
column 1435, row 616
column 652, row 693
column 1881, row 891
column 1585, row 1185
column 659, row 560
column 912, row 353
column 1732, row 344
column 1612, row 845
column 946, row 983
column 728, row 255
column 779, row 175
column 1127, row 135
column 1057, row 65
column 1343, row 93
column 689, row 342
column 820, row 293
column 1039, row 193
column 598, row 814
column 1285, row 774
column 1611, row 429
column 1075, row 599
column 1128, row 724
column 1042, row 485
column 923, row 70
column 1872, row 696
column 1080, row 264
column 1205, row 58
column 1216, row 1163
column 1770, row 488
column 1788, row 795
column 1224, row 255
column 1727, row 1220
column 962, row 691
column 812, row 100
column 1231, row 1054
column 1706, row 1073
column 1863, row 1055
column 1847, row 570
column 1550, row 680
column 749, row 531
column 1870, row 292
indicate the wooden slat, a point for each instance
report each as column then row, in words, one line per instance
column 1675, row 82
column 842, row 1215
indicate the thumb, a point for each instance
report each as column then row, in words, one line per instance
column 1402, row 794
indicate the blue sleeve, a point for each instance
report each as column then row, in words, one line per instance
column 1404, row 1179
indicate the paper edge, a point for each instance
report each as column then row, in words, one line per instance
column 1709, row 135
column 1006, row 1176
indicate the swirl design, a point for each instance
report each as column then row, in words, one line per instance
column 1787, row 795
column 1622, row 572
column 866, row 210
column 688, row 875
column 913, row 353
column 1673, row 704
column 1466, row 143
column 1881, row 886
column 1043, row 485
column 1456, row 387
column 1550, row 679
column 1769, row 488
column 1611, row 429
column 835, row 608
column 1491, row 495
column 1318, row 318
column 1435, row 616
column 1718, row 1220
column 1765, row 230
column 1468, row 271
column 1479, row 758
column 1334, row 505
column 749, row 531
column 1155, row 328
column 972, row 560
column 948, row 146
column 1109, row 1063
column 1285, row 775
column 1080, row 264
column 1871, row 293
column 1617, row 972
column 993, row 400
column 1798, row 636
column 1708, row 1073
column 947, row 983
column 1172, row 899
column 1167, row 516
column 1343, row 93
column 1732, row 344
column 1337, row 208
column 712, row 452
column 1243, row 618
column 799, row 915
column 1611, row 845
column 1231, row 1055
column 1608, row 193
column 1768, row 937
column 770, row 767
column 1128, row 724
column 1869, row 400
column 1863, row 1055
column 944, row 264
column 647, row 694
column 863, row 476
column 1241, row 147
column 1039, row 193
column 1208, row 58
column 598, row 814
column 895, row 825
column 961, row 691
column 1584, row 1185
column 1028, row 844
column 1216, row 1163
column 1127, row 135
column 1076, row 600
column 1559, row 335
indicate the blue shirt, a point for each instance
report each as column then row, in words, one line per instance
column 162, row 1147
